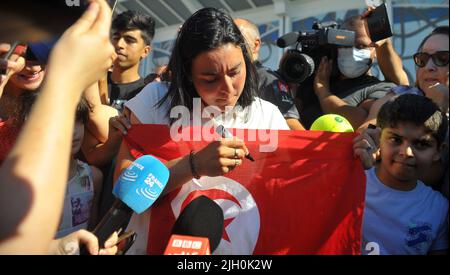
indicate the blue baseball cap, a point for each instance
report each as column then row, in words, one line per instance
column 40, row 50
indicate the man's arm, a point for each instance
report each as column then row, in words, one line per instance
column 390, row 63
column 373, row 111
column 294, row 124
column 101, row 142
column 332, row 104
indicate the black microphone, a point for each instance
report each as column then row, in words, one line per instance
column 288, row 39
column 201, row 218
column 136, row 190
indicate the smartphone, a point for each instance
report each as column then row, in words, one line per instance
column 126, row 240
column 378, row 24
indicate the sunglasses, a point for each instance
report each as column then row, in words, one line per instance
column 440, row 59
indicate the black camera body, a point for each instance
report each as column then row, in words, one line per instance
column 299, row 64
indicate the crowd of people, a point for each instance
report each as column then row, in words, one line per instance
column 64, row 150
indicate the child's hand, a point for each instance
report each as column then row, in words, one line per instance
column 366, row 146
column 70, row 244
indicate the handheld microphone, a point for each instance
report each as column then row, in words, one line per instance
column 198, row 230
column 138, row 187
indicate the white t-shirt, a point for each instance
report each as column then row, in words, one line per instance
column 403, row 222
column 262, row 115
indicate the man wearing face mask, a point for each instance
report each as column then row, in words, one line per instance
column 351, row 85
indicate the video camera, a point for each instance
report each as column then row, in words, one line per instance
column 298, row 64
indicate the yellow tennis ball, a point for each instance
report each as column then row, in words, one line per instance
column 332, row 123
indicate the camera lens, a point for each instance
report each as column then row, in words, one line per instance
column 296, row 67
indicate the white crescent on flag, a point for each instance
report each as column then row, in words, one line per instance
column 242, row 220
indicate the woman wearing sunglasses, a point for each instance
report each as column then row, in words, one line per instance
column 431, row 62
column 432, row 67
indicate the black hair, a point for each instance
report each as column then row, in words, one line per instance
column 134, row 20
column 416, row 109
column 82, row 112
column 438, row 30
column 205, row 30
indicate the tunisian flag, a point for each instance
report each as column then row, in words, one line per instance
column 306, row 197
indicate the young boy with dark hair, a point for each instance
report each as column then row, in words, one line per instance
column 132, row 33
column 402, row 215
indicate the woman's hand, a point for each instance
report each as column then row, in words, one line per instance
column 220, row 157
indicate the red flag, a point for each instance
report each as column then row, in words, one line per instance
column 306, row 197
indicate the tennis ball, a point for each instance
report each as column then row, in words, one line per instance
column 332, row 123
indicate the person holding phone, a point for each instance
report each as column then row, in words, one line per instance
column 34, row 175
column 353, row 90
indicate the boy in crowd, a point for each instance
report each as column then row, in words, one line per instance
column 132, row 33
column 402, row 215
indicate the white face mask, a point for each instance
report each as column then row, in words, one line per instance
column 354, row 62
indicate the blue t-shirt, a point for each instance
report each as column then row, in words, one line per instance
column 403, row 222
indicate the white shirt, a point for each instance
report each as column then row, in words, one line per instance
column 403, row 222
column 261, row 115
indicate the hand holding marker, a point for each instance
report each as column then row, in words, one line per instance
column 223, row 132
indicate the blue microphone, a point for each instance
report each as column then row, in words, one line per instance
column 142, row 183
column 137, row 188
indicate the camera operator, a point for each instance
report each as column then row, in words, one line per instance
column 352, row 85
column 271, row 87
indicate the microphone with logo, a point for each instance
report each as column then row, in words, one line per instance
column 138, row 187
column 198, row 230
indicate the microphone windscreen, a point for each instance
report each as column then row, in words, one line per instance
column 201, row 218
column 288, row 39
column 142, row 183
